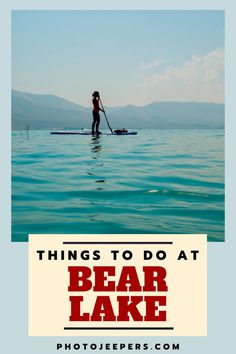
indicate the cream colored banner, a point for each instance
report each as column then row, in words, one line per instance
column 153, row 285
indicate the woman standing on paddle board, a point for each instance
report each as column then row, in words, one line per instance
column 96, row 115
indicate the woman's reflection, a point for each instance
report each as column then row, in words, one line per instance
column 95, row 146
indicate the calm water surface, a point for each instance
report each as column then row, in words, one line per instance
column 159, row 181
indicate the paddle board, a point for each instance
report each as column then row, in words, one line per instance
column 84, row 132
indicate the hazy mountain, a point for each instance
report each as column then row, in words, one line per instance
column 52, row 112
column 46, row 112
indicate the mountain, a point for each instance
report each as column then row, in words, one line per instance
column 46, row 112
column 52, row 112
column 173, row 115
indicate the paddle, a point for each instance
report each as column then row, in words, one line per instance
column 105, row 116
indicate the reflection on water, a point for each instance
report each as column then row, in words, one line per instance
column 96, row 149
column 95, row 146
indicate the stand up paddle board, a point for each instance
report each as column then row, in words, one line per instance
column 84, row 132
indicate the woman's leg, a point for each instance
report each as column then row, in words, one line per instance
column 97, row 123
column 93, row 125
column 94, row 122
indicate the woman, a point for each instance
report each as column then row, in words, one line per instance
column 96, row 115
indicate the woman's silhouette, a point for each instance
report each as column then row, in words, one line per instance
column 96, row 115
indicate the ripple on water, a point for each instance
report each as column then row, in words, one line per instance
column 155, row 182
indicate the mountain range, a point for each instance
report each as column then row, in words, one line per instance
column 51, row 112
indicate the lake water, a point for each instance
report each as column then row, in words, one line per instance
column 159, row 181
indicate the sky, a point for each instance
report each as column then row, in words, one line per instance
column 130, row 57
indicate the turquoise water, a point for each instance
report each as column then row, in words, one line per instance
column 160, row 181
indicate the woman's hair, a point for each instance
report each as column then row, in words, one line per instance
column 95, row 94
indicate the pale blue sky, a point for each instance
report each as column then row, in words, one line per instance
column 131, row 57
